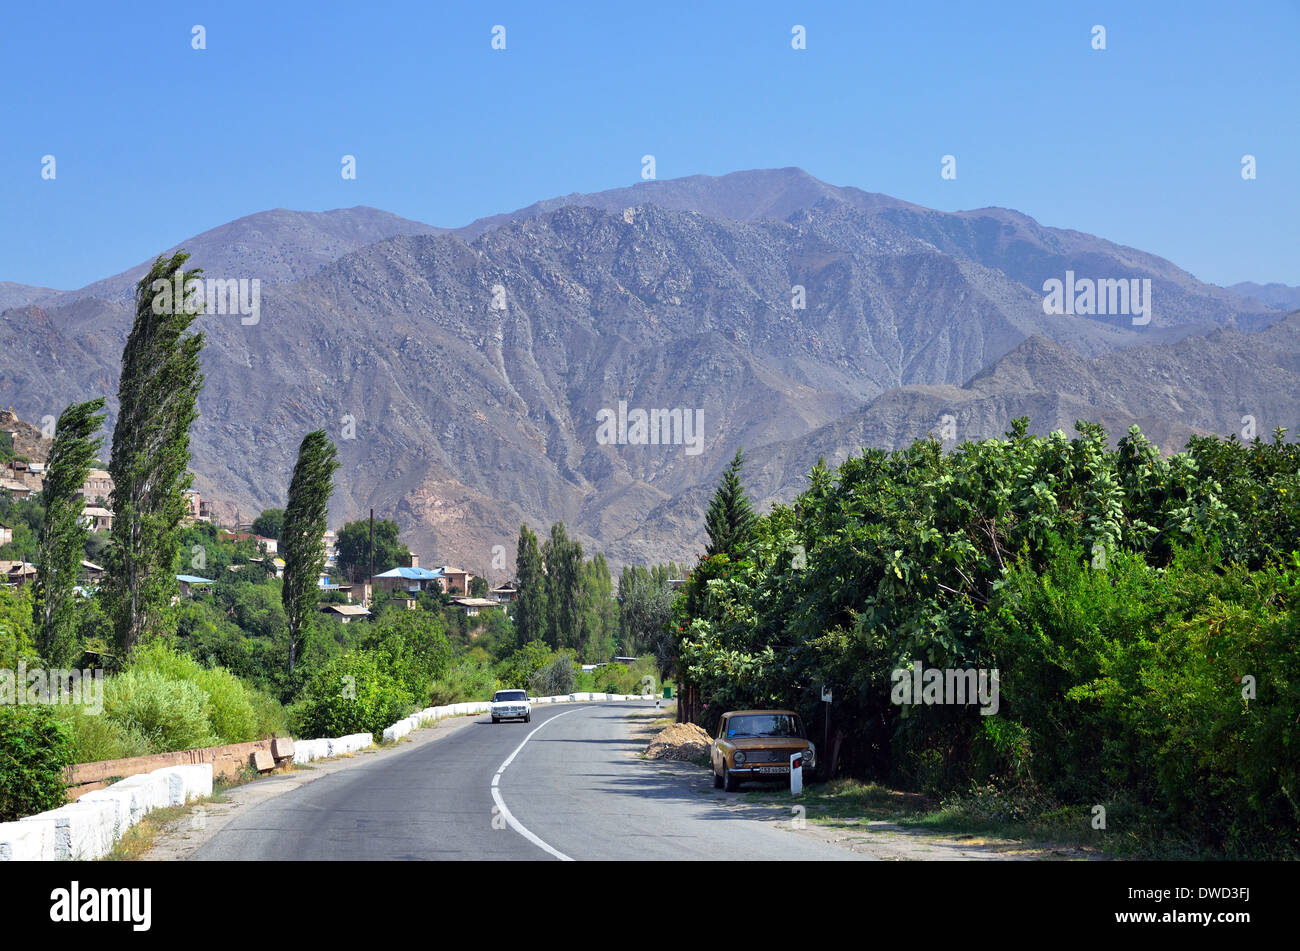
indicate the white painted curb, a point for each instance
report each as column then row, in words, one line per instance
column 88, row 828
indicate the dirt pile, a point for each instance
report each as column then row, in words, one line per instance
column 684, row 741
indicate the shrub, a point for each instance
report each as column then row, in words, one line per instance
column 555, row 678
column 98, row 737
column 272, row 718
column 350, row 695
column 230, row 710
column 466, row 680
column 34, row 750
column 169, row 714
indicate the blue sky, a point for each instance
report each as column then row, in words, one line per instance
column 1141, row 143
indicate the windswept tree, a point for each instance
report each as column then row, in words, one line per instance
column 530, row 605
column 63, row 536
column 158, row 397
column 302, row 541
column 730, row 519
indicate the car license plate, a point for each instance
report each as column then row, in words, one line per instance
column 774, row 769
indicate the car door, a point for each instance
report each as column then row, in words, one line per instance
column 718, row 756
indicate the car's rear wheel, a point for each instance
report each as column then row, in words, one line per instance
column 730, row 781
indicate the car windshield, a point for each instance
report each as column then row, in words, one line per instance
column 509, row 695
column 778, row 724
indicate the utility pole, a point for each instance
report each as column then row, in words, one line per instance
column 371, row 579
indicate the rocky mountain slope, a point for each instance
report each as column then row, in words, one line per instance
column 463, row 373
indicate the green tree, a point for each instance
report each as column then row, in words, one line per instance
column 478, row 587
column 63, row 536
column 354, row 548
column 730, row 518
column 157, row 396
column 597, row 611
column 531, row 612
column 269, row 524
column 563, row 560
column 305, row 521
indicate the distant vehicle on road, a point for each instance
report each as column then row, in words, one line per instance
column 511, row 705
column 758, row 744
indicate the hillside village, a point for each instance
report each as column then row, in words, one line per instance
column 24, row 451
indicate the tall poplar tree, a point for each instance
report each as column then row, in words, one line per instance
column 530, row 604
column 158, row 397
column 730, row 518
column 563, row 559
column 302, row 538
column 63, row 536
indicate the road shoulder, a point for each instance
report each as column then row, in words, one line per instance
column 863, row 835
column 179, row 839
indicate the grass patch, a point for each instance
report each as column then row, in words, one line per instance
column 139, row 839
column 981, row 814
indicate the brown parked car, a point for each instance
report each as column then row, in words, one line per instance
column 757, row 744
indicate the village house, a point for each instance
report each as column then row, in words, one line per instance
column 408, row 578
column 97, row 519
column 17, row 573
column 455, row 581
column 196, row 509
column 506, row 593
column 18, row 490
column 97, row 487
column 472, row 606
column 188, row 583
column 343, row 613
column 272, row 546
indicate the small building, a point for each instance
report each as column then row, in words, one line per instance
column 189, row 583
column 17, row 573
column 409, row 579
column 272, row 546
column 473, row 606
column 327, row 583
column 93, row 572
column 455, row 581
column 506, row 593
column 96, row 518
column 98, row 485
column 17, row 489
column 344, row 613
column 196, row 510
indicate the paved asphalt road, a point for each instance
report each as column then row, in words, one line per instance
column 571, row 787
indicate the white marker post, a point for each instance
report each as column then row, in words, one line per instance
column 796, row 774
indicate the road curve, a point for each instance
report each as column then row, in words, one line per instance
column 571, row 788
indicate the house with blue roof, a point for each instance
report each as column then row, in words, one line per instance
column 410, row 579
column 189, row 582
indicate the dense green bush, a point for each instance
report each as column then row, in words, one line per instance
column 350, row 694
column 556, row 678
column 34, row 750
column 468, row 679
column 1126, row 599
column 169, row 714
column 96, row 736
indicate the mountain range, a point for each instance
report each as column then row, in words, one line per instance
column 463, row 372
